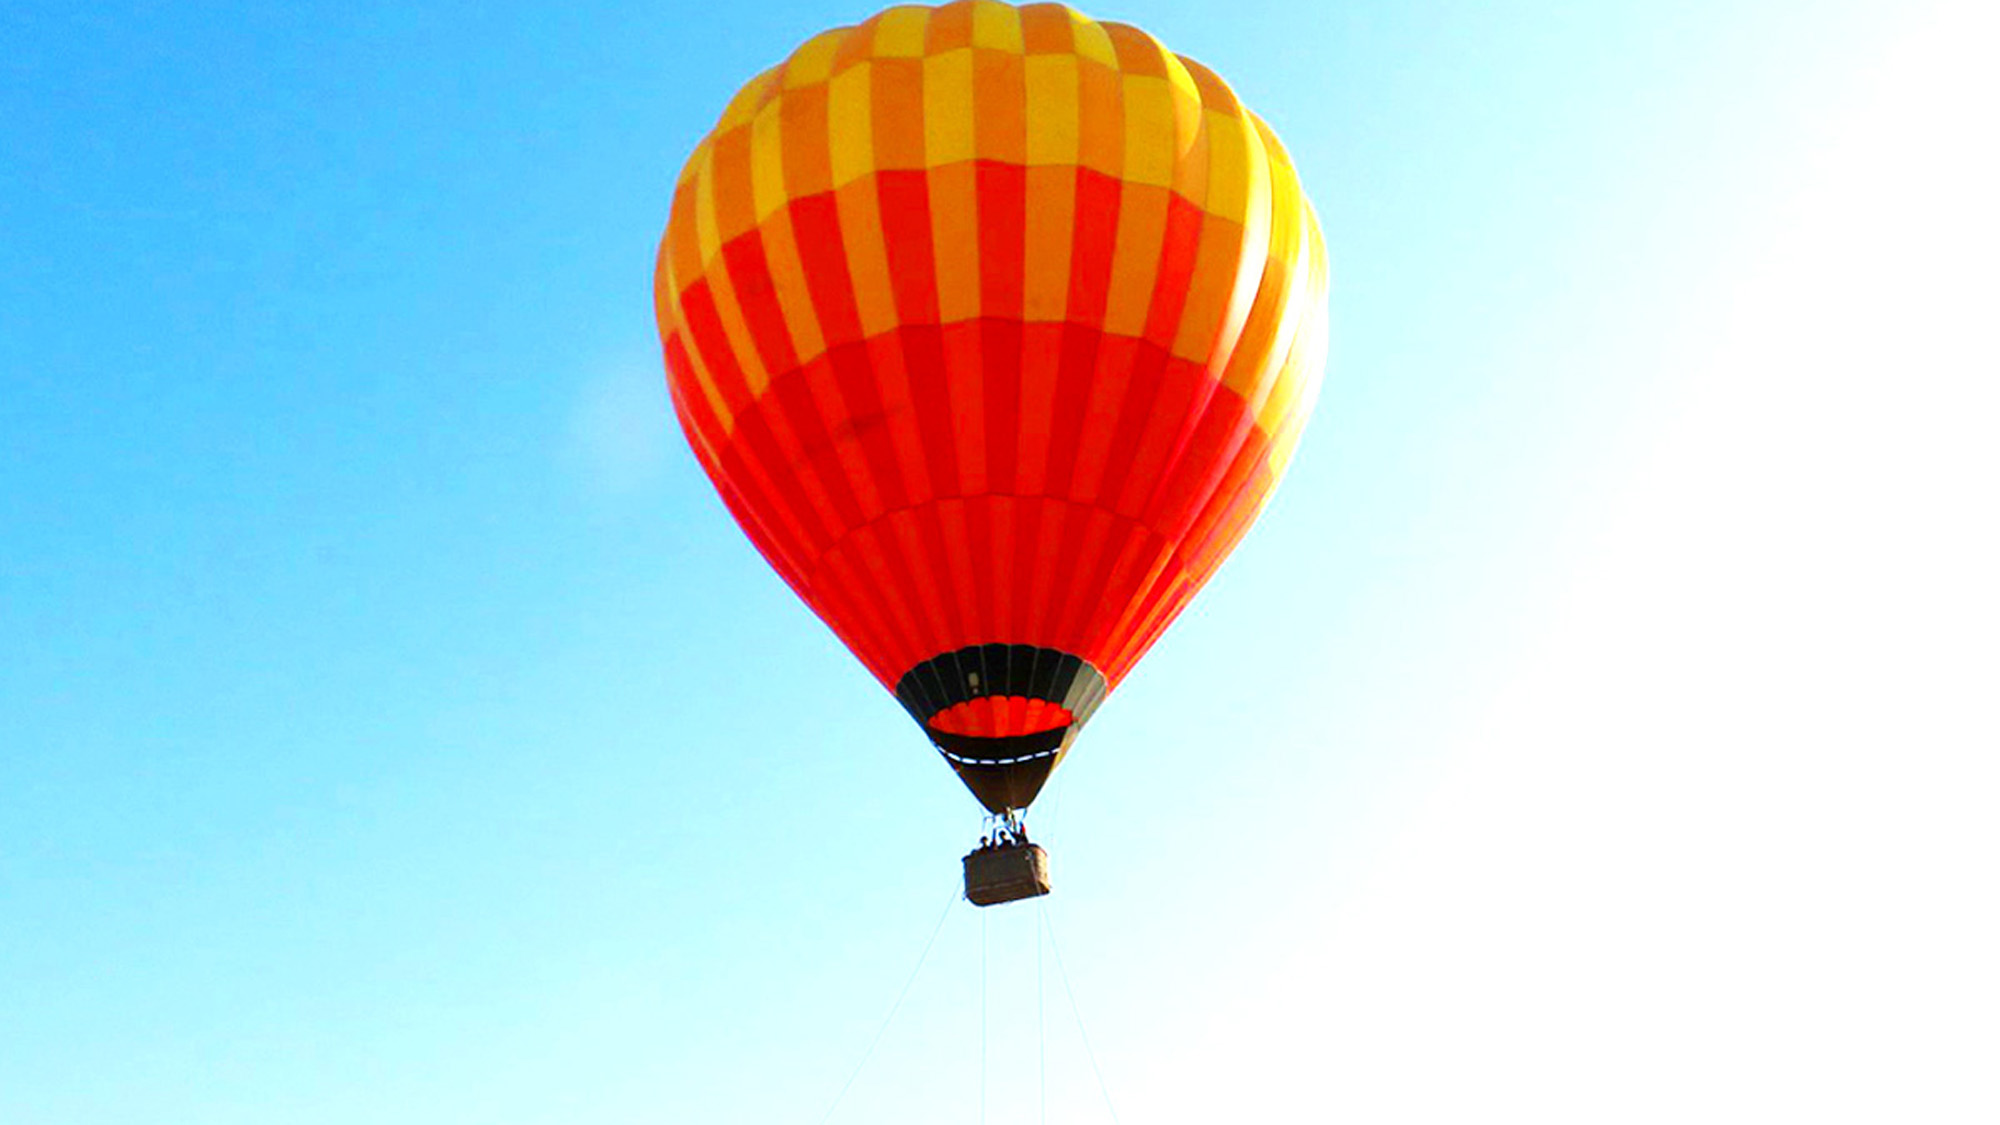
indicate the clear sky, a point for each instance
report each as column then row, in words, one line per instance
column 1598, row 727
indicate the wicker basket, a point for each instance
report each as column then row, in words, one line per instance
column 1003, row 874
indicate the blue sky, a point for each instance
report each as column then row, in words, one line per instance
column 393, row 726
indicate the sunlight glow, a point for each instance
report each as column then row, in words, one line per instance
column 1725, row 849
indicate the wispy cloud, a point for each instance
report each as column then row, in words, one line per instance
column 620, row 426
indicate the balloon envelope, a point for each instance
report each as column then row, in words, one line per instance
column 994, row 327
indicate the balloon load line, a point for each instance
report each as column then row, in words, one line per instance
column 1048, row 951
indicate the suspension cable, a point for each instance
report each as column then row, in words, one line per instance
column 956, row 894
column 1041, row 1026
column 1056, row 787
column 982, row 1017
column 1062, row 974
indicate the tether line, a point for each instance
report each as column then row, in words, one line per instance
column 1062, row 974
column 894, row 1008
column 982, row 1017
column 1042, row 1026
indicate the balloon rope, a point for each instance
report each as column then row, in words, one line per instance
column 956, row 893
column 1055, row 806
column 982, row 1018
column 1042, row 1025
column 1062, row 974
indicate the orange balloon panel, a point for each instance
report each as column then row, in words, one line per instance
column 994, row 327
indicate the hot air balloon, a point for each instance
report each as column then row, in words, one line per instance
column 994, row 328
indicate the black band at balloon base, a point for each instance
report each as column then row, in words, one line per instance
column 1000, row 788
column 1003, row 771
